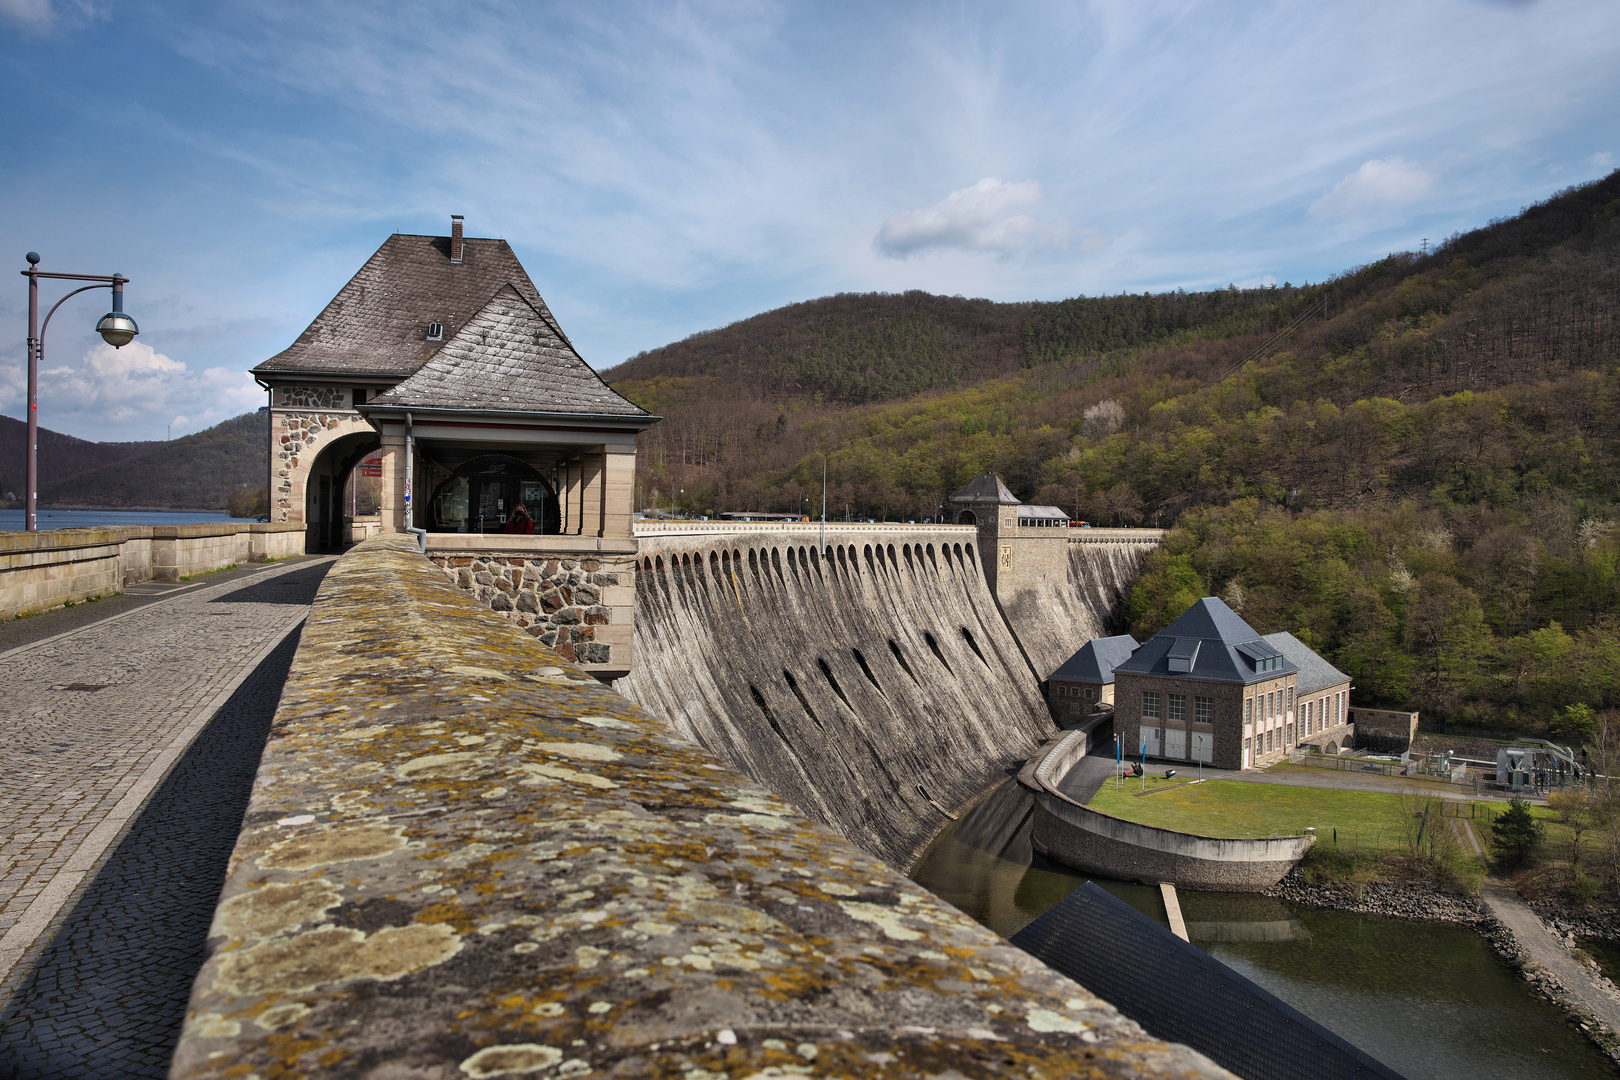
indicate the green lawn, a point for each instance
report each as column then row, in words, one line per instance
column 1229, row 808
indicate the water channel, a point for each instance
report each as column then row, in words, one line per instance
column 1428, row 999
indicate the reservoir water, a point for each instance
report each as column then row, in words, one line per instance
column 13, row 521
column 1428, row 999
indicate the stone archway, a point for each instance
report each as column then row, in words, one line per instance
column 967, row 517
column 305, row 446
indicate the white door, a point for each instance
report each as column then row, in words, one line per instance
column 1203, row 747
column 1175, row 743
column 1150, row 741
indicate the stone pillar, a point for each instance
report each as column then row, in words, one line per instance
column 591, row 503
column 618, row 491
column 391, row 499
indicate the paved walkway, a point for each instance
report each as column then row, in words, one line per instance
column 131, row 744
column 1595, row 995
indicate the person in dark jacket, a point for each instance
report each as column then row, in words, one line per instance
column 520, row 521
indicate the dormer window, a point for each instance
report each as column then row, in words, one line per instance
column 435, row 331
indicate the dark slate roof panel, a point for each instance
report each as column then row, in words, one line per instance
column 1096, row 660
column 377, row 324
column 508, row 358
column 1180, row 993
column 1220, row 631
column 1315, row 673
column 986, row 488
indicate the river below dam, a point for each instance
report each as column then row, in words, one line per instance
column 1429, row 999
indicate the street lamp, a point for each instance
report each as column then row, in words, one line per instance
column 115, row 328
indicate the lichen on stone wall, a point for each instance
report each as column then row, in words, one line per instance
column 465, row 857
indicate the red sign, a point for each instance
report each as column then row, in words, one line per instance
column 372, row 467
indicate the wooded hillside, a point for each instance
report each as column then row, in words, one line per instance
column 1444, row 425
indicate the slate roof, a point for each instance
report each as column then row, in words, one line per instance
column 508, row 358
column 1096, row 660
column 1030, row 510
column 1221, row 639
column 1315, row 673
column 1180, row 993
column 377, row 324
column 986, row 488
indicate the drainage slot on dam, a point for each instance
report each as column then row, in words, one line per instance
column 867, row 671
column 826, row 672
column 793, row 684
column 934, row 645
column 974, row 645
column 900, row 658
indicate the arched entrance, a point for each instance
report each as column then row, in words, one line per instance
column 325, row 504
column 967, row 517
column 484, row 492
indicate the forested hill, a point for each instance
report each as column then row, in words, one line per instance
column 1414, row 465
column 59, row 455
column 194, row 472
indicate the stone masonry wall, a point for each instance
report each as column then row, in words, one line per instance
column 558, row 600
column 298, row 437
column 464, row 857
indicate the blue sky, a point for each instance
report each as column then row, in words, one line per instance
column 670, row 167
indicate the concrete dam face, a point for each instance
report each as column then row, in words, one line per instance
column 876, row 687
column 1056, row 612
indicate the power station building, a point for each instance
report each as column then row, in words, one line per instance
column 1210, row 688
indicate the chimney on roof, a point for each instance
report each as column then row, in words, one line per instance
column 455, row 238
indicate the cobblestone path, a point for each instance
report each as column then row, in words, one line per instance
column 127, row 751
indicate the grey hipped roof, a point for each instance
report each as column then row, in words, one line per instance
column 1315, row 673
column 1096, row 660
column 1030, row 510
column 986, row 488
column 377, row 324
column 1224, row 644
column 1181, row 994
column 509, row 358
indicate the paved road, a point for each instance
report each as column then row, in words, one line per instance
column 130, row 748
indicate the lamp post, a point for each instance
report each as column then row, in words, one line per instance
column 115, row 328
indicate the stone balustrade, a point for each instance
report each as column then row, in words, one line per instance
column 44, row 570
column 465, row 857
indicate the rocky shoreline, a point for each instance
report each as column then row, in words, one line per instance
column 1417, row 901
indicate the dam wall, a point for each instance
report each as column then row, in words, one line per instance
column 873, row 685
column 466, row 857
column 1059, row 591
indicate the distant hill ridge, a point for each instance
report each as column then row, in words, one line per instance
column 194, row 472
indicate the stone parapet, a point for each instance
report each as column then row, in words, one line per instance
column 465, row 857
column 44, row 570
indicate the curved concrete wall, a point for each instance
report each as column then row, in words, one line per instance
column 876, row 688
column 1099, row 843
column 464, row 857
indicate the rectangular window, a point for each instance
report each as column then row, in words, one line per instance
column 1269, row 736
column 1204, row 710
column 1289, row 739
column 1341, row 696
column 1087, row 693
column 1290, row 699
column 1246, row 752
column 1248, row 711
column 1271, row 706
column 359, row 397
column 1178, row 707
column 1150, row 704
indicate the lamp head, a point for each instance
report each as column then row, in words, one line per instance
column 116, row 328
column 33, row 258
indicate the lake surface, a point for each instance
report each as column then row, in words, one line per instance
column 14, row 521
column 1428, row 999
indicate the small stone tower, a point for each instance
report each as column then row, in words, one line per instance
column 987, row 503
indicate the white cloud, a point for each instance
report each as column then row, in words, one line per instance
column 127, row 393
column 1378, row 183
column 42, row 15
column 1604, row 160
column 987, row 217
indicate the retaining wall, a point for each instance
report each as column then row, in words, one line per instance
column 465, row 857
column 1098, row 843
column 1387, row 731
column 44, row 570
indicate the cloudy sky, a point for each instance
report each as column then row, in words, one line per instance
column 669, row 167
